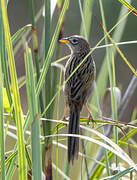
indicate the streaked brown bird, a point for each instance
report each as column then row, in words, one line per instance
column 78, row 87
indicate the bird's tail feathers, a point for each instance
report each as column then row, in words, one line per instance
column 73, row 142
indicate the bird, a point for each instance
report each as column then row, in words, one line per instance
column 79, row 80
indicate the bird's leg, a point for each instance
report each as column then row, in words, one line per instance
column 90, row 118
column 65, row 111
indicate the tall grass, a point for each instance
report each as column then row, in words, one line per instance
column 41, row 150
column 34, row 116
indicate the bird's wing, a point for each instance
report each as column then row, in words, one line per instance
column 81, row 79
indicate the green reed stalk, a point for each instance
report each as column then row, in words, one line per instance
column 34, row 116
column 16, row 98
column 2, row 142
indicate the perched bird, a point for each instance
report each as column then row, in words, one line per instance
column 78, row 87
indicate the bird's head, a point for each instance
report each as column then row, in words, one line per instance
column 76, row 43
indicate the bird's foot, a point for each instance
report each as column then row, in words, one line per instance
column 64, row 118
column 90, row 118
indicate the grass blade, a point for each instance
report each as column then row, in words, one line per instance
column 19, row 33
column 102, row 82
column 47, row 147
column 129, row 6
column 114, row 105
column 33, row 107
column 2, row 143
column 4, row 63
column 109, row 72
column 122, row 173
column 87, row 17
column 83, row 20
column 35, row 49
column 16, row 98
column 51, row 48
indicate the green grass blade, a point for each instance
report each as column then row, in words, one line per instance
column 109, row 71
column 48, row 90
column 51, row 48
column 122, row 173
column 60, row 59
column 47, row 161
column 12, row 156
column 87, row 5
column 83, row 20
column 127, row 4
column 102, row 82
column 4, row 62
column 2, row 143
column 33, row 108
column 19, row 33
column 114, row 106
column 58, row 110
column 16, row 98
column 28, row 158
column 35, row 49
column 34, row 37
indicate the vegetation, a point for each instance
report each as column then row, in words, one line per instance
column 41, row 135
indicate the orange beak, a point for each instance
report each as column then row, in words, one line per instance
column 64, row 40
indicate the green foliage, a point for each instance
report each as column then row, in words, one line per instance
column 41, row 149
column 34, row 117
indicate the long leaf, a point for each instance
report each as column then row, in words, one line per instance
column 131, row 8
column 19, row 33
column 109, row 72
column 4, row 62
column 33, row 107
column 2, row 143
column 16, row 98
column 122, row 173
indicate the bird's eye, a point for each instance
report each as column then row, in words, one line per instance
column 74, row 41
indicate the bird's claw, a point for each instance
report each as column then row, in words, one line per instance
column 90, row 118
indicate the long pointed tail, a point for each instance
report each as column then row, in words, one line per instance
column 73, row 142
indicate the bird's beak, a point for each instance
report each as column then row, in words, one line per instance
column 64, row 40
